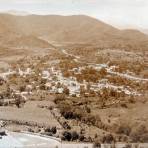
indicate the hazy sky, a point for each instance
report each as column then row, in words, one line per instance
column 121, row 13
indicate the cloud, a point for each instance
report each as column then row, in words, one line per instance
column 25, row 1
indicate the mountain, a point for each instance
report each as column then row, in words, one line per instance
column 134, row 34
column 144, row 31
column 15, row 12
column 26, row 42
column 69, row 29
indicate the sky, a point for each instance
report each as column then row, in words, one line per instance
column 119, row 13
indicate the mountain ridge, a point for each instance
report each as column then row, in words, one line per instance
column 74, row 28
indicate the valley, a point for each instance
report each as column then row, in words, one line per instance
column 85, row 87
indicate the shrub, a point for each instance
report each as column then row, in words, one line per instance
column 139, row 134
column 67, row 114
column 1, row 96
column 66, row 126
column 71, row 113
column 54, row 130
column 47, row 129
column 88, row 110
column 43, row 81
column 103, row 72
column 124, row 129
column 18, row 102
column 30, row 130
column 128, row 146
column 66, row 136
column 89, row 120
column 144, row 138
column 50, row 107
column 66, row 91
column 108, row 139
column 131, row 100
column 59, row 98
column 81, row 138
column 42, row 87
column 124, row 105
column 92, row 120
column 22, row 88
column 74, row 135
column 1, row 103
column 96, row 144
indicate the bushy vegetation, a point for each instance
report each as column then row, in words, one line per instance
column 52, row 130
column 78, row 112
column 70, row 136
column 139, row 133
column 91, row 75
column 124, row 129
column 68, row 64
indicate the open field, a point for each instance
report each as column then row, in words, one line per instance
column 30, row 114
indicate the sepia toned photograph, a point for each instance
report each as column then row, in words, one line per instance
column 73, row 74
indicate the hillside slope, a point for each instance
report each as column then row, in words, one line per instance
column 28, row 42
column 75, row 29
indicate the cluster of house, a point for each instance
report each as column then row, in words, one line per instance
column 12, row 95
column 57, row 83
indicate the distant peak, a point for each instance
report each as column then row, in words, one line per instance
column 15, row 12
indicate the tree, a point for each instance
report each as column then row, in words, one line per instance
column 54, row 130
column 66, row 91
column 22, row 88
column 108, row 139
column 66, row 136
column 74, row 135
column 18, row 102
